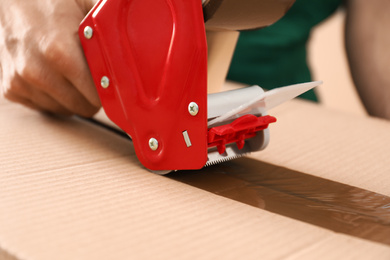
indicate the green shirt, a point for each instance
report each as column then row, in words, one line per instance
column 276, row 56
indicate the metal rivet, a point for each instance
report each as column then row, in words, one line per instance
column 193, row 108
column 153, row 144
column 88, row 32
column 105, row 82
column 187, row 139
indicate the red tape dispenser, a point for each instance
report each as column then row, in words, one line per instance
column 148, row 59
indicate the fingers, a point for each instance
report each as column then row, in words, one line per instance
column 65, row 56
column 80, row 75
column 18, row 99
column 40, row 87
column 44, row 84
column 21, row 92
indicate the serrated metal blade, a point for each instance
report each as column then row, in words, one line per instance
column 218, row 161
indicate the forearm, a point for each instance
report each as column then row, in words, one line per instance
column 368, row 50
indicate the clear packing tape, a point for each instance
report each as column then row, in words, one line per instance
column 325, row 203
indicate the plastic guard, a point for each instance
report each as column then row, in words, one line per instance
column 238, row 131
column 154, row 54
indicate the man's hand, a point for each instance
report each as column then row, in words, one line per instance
column 42, row 63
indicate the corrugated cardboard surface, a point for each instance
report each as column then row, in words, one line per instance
column 335, row 206
column 325, row 143
column 72, row 190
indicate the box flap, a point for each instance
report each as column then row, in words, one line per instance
column 72, row 190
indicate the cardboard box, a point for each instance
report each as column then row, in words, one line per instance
column 74, row 189
column 70, row 189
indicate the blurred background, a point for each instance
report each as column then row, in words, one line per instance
column 328, row 61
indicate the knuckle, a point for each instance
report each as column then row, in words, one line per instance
column 34, row 74
column 29, row 69
column 14, row 86
column 13, row 92
column 53, row 50
column 8, row 95
column 58, row 52
column 29, row 73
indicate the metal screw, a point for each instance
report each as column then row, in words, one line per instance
column 153, row 144
column 88, row 32
column 105, row 82
column 193, row 108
